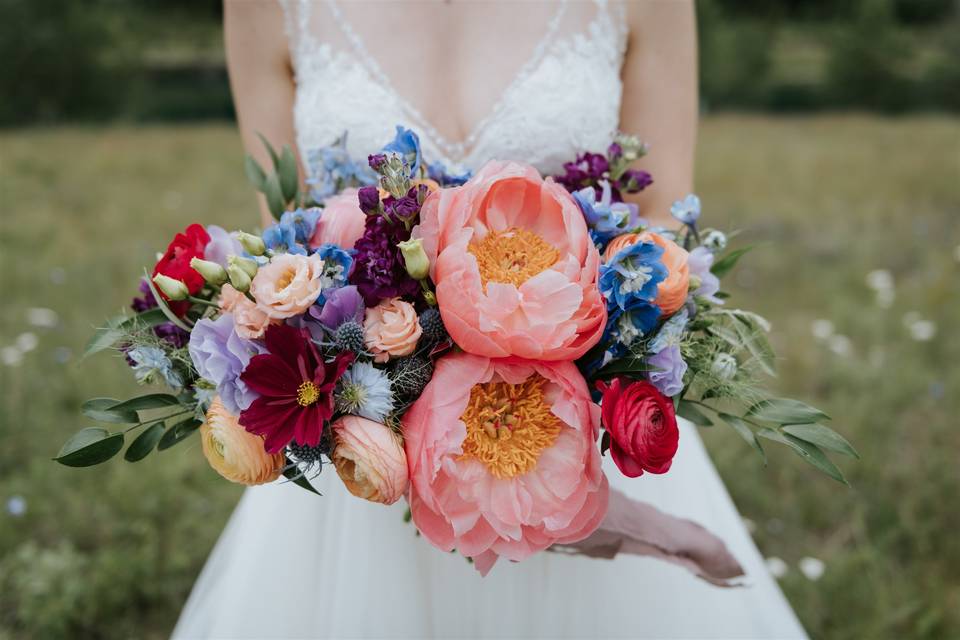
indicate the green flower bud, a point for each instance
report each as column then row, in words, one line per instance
column 246, row 264
column 695, row 282
column 430, row 297
column 211, row 271
column 173, row 289
column 251, row 244
column 239, row 278
column 415, row 258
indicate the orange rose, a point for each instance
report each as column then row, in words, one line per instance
column 391, row 329
column 370, row 460
column 672, row 292
column 235, row 453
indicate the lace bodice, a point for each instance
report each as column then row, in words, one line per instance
column 564, row 100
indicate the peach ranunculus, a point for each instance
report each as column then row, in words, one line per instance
column 370, row 460
column 503, row 458
column 672, row 292
column 341, row 223
column 249, row 320
column 391, row 329
column 289, row 285
column 235, row 453
column 514, row 266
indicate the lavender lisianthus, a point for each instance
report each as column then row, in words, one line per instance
column 220, row 356
column 699, row 261
column 222, row 244
column 343, row 305
column 670, row 368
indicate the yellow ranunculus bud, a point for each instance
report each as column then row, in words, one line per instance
column 170, row 287
column 415, row 258
column 211, row 271
column 235, row 453
column 251, row 244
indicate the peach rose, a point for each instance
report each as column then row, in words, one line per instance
column 288, row 285
column 249, row 320
column 391, row 329
column 341, row 223
column 672, row 292
column 370, row 460
column 515, row 269
column 235, row 453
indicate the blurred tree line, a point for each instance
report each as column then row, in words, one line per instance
column 144, row 60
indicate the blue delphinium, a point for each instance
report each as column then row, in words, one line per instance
column 687, row 210
column 365, row 391
column 606, row 219
column 625, row 326
column 331, row 170
column 633, row 273
column 406, row 143
column 282, row 238
column 149, row 363
column 303, row 221
column 671, row 333
column 448, row 176
column 336, row 269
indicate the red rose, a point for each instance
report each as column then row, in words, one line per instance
column 642, row 426
column 175, row 263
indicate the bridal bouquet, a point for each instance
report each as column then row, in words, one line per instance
column 472, row 343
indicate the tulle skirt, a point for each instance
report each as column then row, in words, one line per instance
column 291, row 564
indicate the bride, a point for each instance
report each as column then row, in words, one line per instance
column 536, row 82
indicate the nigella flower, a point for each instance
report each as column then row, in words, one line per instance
column 151, row 364
column 282, row 238
column 336, row 266
column 303, row 221
column 633, row 273
column 407, row 144
column 687, row 210
column 365, row 391
column 605, row 218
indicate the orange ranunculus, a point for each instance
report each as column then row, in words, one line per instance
column 235, row 453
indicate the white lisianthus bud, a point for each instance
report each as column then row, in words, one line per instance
column 238, row 277
column 415, row 258
column 211, row 271
column 248, row 266
column 724, row 366
column 251, row 244
column 173, row 289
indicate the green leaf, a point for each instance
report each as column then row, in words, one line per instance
column 149, row 401
column 103, row 338
column 722, row 332
column 178, row 432
column 102, row 410
column 254, row 172
column 145, row 443
column 756, row 343
column 806, row 450
column 287, row 173
column 294, row 475
column 275, row 202
column 148, row 318
column 89, row 447
column 690, row 411
column 745, row 432
column 621, row 366
column 722, row 266
column 273, row 154
column 785, row 411
column 822, row 436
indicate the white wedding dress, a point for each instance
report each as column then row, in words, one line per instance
column 291, row 564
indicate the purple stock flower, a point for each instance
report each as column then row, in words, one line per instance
column 222, row 244
column 378, row 270
column 369, row 198
column 404, row 208
column 634, row 180
column 376, row 161
column 700, row 260
column 220, row 356
column 668, row 377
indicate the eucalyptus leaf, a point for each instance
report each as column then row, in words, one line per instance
column 178, row 432
column 287, row 173
column 806, row 450
column 274, row 196
column 149, row 401
column 255, row 173
column 690, row 411
column 785, row 411
column 103, row 410
column 102, row 338
column 273, row 153
column 141, row 447
column 294, row 475
column 722, row 266
column 822, row 436
column 90, row 446
column 745, row 432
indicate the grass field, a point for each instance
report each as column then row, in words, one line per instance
column 111, row 552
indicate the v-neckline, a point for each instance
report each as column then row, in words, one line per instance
column 454, row 151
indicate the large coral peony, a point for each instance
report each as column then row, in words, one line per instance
column 515, row 269
column 502, row 458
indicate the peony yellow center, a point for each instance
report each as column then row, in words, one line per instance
column 509, row 426
column 307, row 394
column 512, row 256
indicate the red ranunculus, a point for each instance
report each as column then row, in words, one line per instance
column 175, row 263
column 642, row 426
column 295, row 386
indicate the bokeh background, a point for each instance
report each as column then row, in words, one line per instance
column 830, row 135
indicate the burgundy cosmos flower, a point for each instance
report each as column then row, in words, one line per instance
column 295, row 386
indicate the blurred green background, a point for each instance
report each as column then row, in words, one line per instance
column 830, row 135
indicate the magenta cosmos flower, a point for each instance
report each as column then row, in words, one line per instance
column 502, row 458
column 295, row 386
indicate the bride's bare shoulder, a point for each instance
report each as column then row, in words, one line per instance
column 255, row 27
